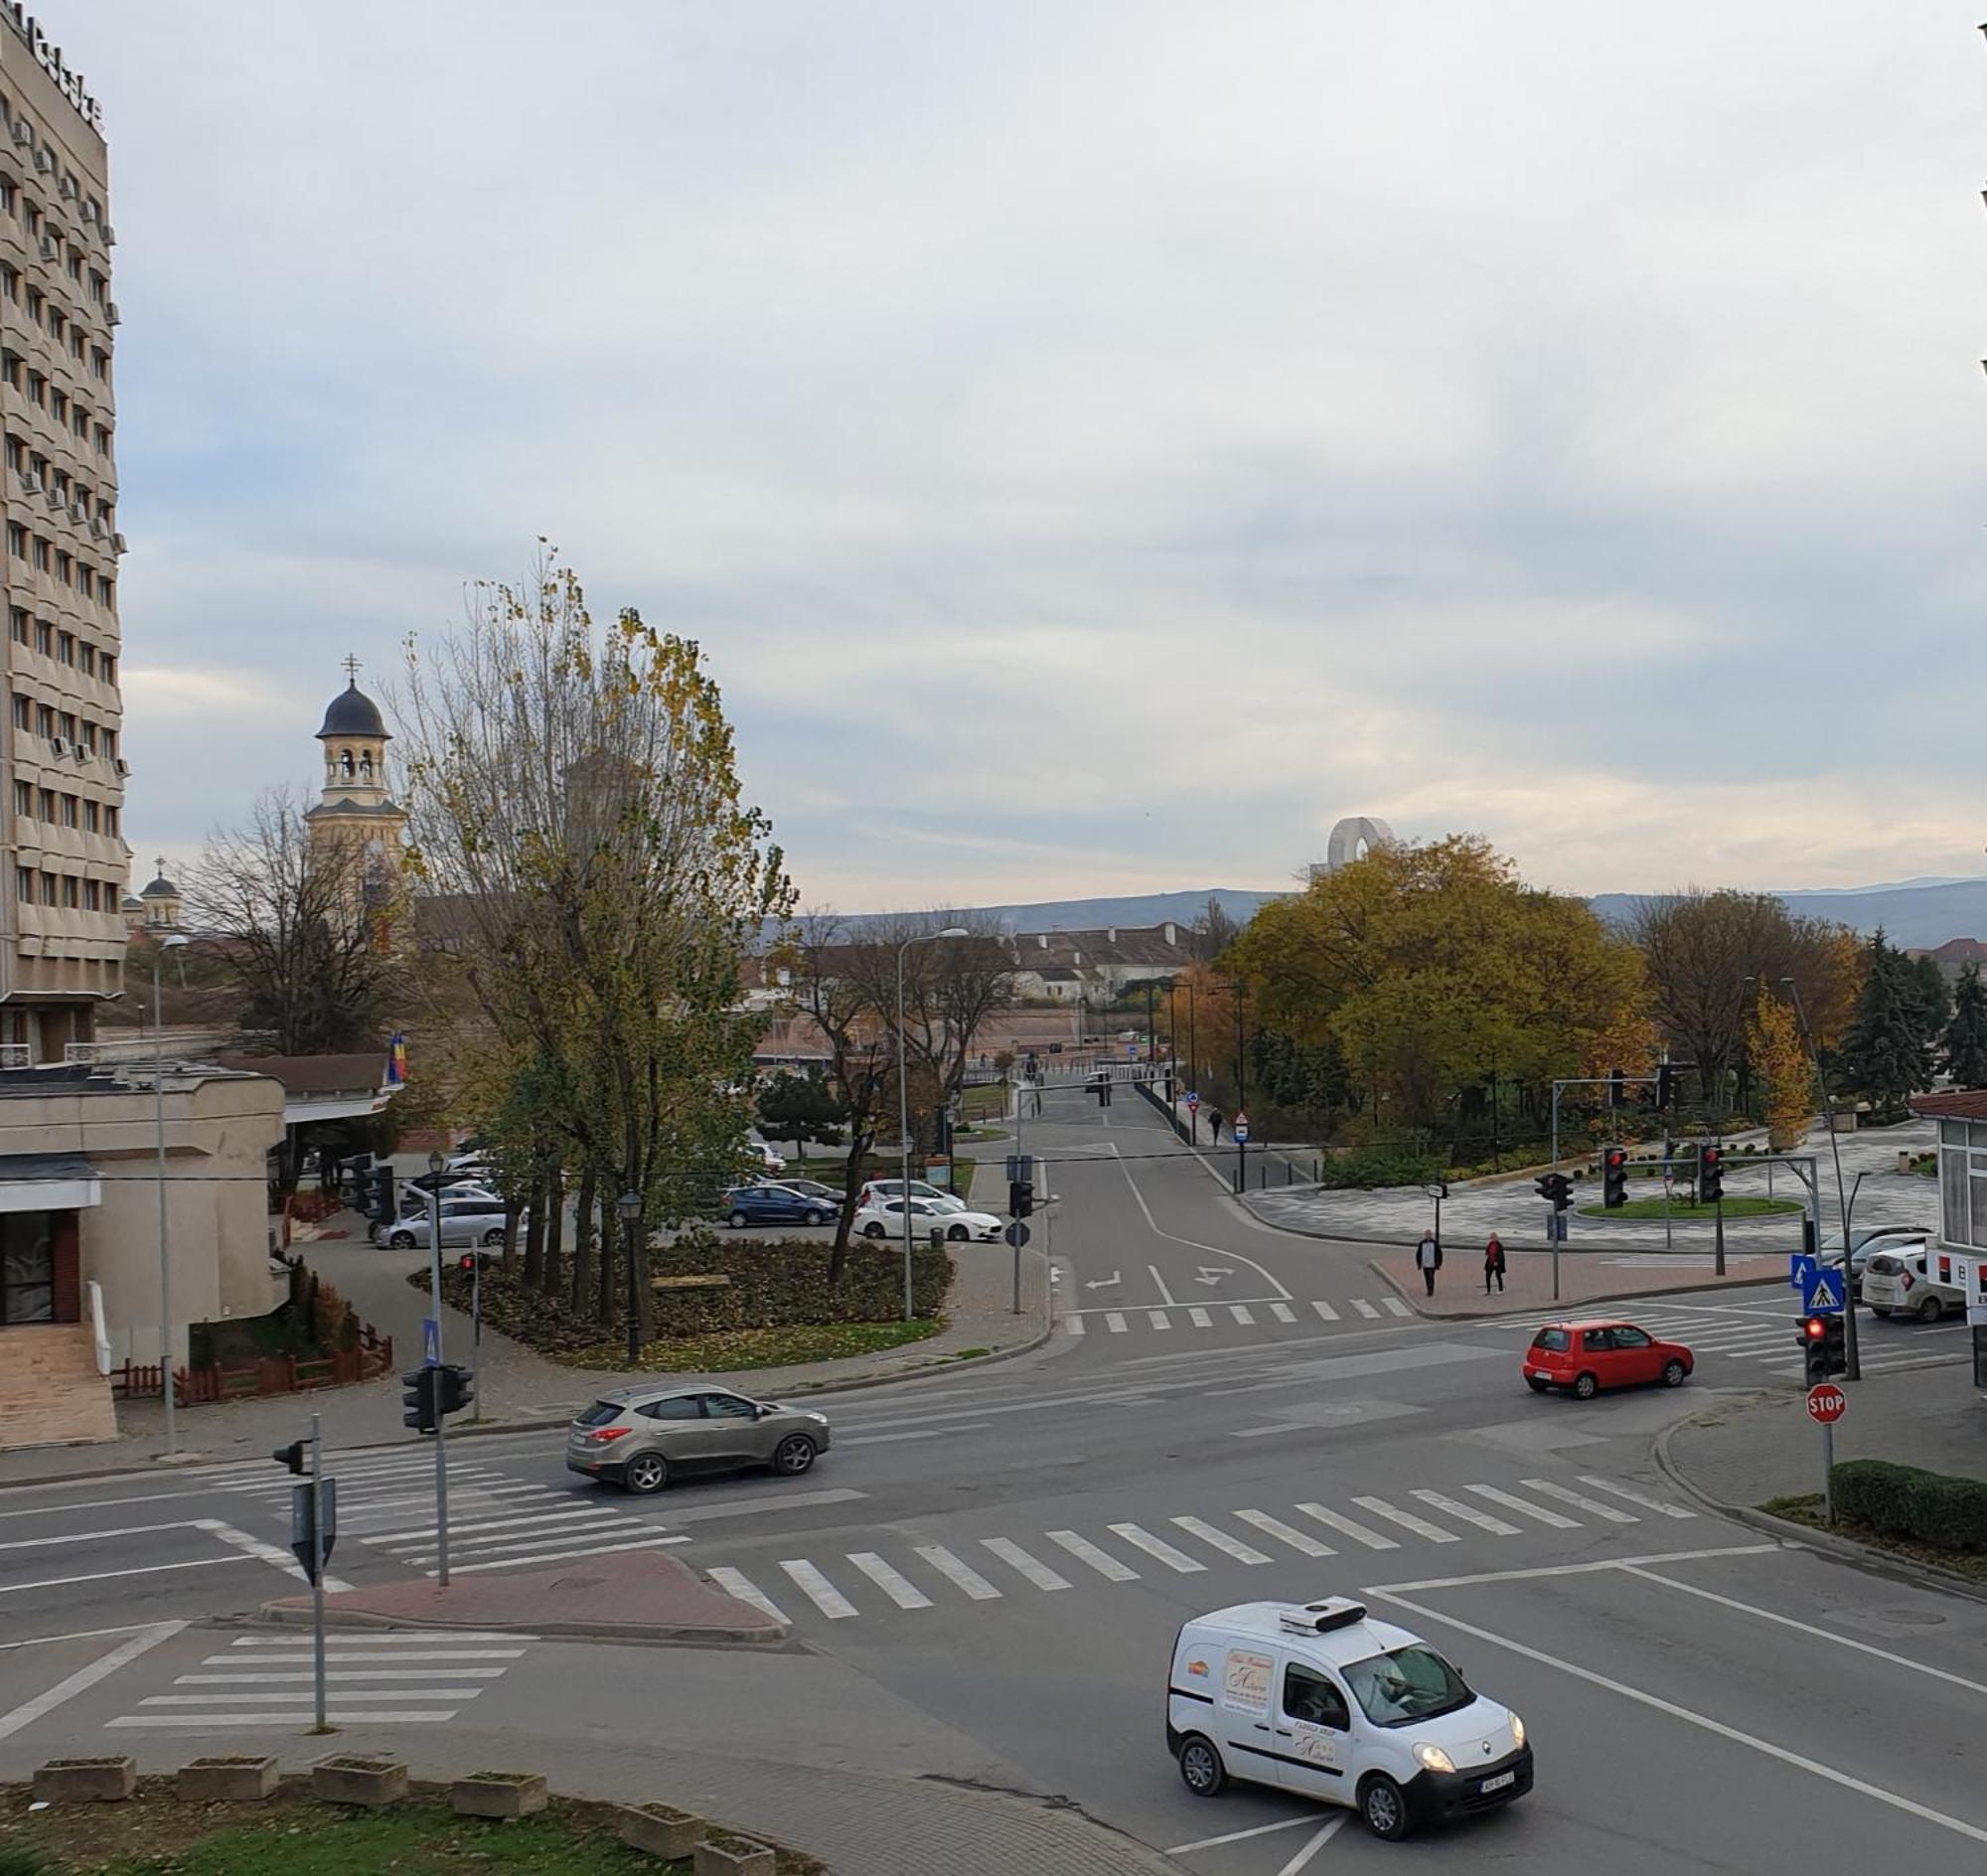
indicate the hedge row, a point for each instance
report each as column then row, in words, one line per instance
column 1907, row 1501
column 1367, row 1169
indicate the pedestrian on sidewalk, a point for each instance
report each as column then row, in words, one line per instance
column 1428, row 1259
column 1494, row 1264
column 1214, row 1125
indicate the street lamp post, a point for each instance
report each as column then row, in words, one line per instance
column 1852, row 1355
column 171, row 941
column 629, row 1205
column 437, row 1166
column 905, row 1099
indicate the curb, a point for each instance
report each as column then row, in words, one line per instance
column 288, row 1615
column 1859, row 1556
column 1532, row 1309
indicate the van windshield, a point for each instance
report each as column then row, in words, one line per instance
column 1407, row 1684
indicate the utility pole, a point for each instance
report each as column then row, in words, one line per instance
column 436, row 1164
column 1852, row 1353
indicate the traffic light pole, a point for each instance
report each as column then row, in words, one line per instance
column 1854, row 1371
column 316, row 1574
column 440, row 1419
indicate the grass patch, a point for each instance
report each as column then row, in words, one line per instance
column 1806, row 1508
column 1683, row 1212
column 985, row 1101
column 725, row 1350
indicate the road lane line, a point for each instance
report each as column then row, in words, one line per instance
column 1194, row 1244
column 255, row 1678
column 929, row 1433
column 1362, row 1307
column 288, row 1698
column 1220, row 1539
column 1038, row 1573
column 335, row 1651
column 1285, row 1533
column 1283, row 1313
column 556, row 1556
column 1799, row 1761
column 1577, row 1569
column 737, row 1583
column 1165, row 1295
column 1157, row 1547
column 1634, row 1498
column 1810, row 1629
column 1326, row 1832
column 1199, row 1319
column 1407, row 1520
column 303, row 1717
column 84, row 1537
column 400, row 1637
column 959, row 1571
column 1158, row 1319
column 1073, row 1324
column 284, row 1560
column 818, row 1590
column 105, row 1576
column 77, row 1634
column 898, row 1588
column 1468, row 1515
column 1240, row 1311
column 1114, row 1322
column 1359, row 1533
column 1326, row 1312
column 1514, row 1503
column 1580, row 1500
column 1242, row 1836
column 1102, row 1561
column 28, row 1711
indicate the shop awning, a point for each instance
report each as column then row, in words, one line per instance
column 47, row 1182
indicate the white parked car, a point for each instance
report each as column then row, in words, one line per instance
column 881, row 1191
column 886, row 1219
column 1895, row 1282
column 773, row 1162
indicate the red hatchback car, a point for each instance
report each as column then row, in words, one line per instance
column 1588, row 1357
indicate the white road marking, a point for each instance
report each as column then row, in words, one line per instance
column 77, row 1634
column 737, row 1583
column 289, row 1697
column 959, row 1571
column 1407, row 1520
column 1038, row 1573
column 579, row 1514
column 1325, row 1311
column 1114, row 1322
column 1283, row 1313
column 399, row 1637
column 1525, row 1505
column 1579, row 1500
column 268, row 1553
column 1326, row 1832
column 28, row 1711
column 1158, row 1319
column 1195, row 1244
column 818, row 1590
column 335, row 1653
column 1199, row 1318
column 1395, row 1307
column 1359, row 1533
column 1635, row 1498
column 929, row 1433
column 558, row 1556
column 1084, row 1551
column 1157, row 1547
column 105, row 1576
column 84, row 1537
column 1240, row 1311
column 1363, row 1308
column 255, row 1678
column 1165, row 1295
column 898, row 1588
column 302, row 1717
column 1242, row 1836
column 1468, row 1515
column 1073, row 1324
column 1285, row 1533
column 1572, row 1569
column 1220, row 1540
column 1704, row 1721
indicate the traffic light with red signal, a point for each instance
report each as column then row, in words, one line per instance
column 1613, row 1176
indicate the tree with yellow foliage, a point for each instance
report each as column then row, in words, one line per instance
column 1787, row 1076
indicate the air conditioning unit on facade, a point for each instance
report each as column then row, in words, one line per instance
column 59, row 744
column 117, row 542
column 89, row 212
column 68, row 188
column 45, row 162
column 31, row 483
column 123, row 766
column 109, row 235
column 50, row 248
column 23, row 135
column 111, row 313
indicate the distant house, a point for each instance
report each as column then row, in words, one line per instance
column 1954, row 955
column 1094, row 966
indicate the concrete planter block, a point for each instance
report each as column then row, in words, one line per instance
column 732, row 1856
column 85, row 1780
column 660, row 1829
column 497, row 1793
column 351, row 1778
column 225, row 1780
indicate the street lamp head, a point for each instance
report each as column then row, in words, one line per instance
column 437, row 1162
column 174, row 941
column 629, row 1205
column 953, row 931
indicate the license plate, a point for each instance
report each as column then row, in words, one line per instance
column 1499, row 1782
column 1538, row 1374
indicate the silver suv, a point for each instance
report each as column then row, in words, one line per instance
column 640, row 1438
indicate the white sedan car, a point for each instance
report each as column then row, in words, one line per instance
column 885, row 1191
column 886, row 1219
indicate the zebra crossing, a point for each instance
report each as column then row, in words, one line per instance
column 495, row 1521
column 928, row 1576
column 1765, row 1333
column 412, row 1677
column 1252, row 1312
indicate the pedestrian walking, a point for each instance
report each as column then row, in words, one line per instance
column 1494, row 1264
column 1428, row 1260
column 1214, row 1125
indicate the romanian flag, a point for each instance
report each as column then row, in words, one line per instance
column 396, row 1060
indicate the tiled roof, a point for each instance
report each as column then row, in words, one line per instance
column 1952, row 1104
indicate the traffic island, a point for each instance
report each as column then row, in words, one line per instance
column 626, row 1596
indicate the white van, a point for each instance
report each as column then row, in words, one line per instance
column 1320, row 1700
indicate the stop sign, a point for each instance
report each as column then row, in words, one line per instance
column 1826, row 1403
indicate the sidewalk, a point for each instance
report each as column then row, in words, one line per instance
column 518, row 1388
column 1528, row 1283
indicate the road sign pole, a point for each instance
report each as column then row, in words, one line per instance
column 440, row 1419
column 317, row 1572
column 1718, row 1230
column 476, row 1324
column 1828, row 1469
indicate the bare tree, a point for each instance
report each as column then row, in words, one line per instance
column 1211, row 933
column 300, row 927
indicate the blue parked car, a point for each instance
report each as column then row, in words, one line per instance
column 774, row 1204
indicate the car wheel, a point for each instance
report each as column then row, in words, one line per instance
column 1200, row 1766
column 402, row 1240
column 738, row 1221
column 959, row 1234
column 1384, row 1808
column 1586, row 1386
column 815, row 1218
column 1930, row 1309
column 1674, row 1374
column 493, row 1238
column 872, row 1230
column 646, row 1472
column 793, row 1455
column 1878, row 1309
column 1536, row 1385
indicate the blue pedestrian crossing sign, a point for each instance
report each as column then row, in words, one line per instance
column 430, row 1342
column 1800, row 1268
column 1821, row 1294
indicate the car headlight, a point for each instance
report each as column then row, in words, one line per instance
column 1517, row 1729
column 1434, row 1759
column 820, row 1420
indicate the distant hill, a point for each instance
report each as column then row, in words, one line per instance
column 1915, row 915
column 1146, row 908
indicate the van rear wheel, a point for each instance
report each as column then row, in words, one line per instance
column 1384, row 1808
column 1930, row 1309
column 1200, row 1766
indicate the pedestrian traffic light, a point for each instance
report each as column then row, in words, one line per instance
column 1835, row 1343
column 1613, row 1176
column 292, row 1456
column 1710, row 1174
column 1020, row 1197
column 455, row 1387
column 379, row 1183
column 1555, row 1188
column 1617, row 1086
column 417, row 1400
column 1665, row 1087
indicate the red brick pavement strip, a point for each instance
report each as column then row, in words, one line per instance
column 633, row 1596
column 1459, row 1285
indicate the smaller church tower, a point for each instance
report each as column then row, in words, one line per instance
column 160, row 903
column 357, row 805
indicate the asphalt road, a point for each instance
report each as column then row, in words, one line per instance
column 987, row 1572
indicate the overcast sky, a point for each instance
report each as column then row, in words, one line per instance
column 1098, row 442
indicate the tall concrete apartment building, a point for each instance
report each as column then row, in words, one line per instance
column 62, row 760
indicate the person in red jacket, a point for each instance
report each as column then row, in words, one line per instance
column 1494, row 1264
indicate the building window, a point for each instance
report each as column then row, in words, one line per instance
column 41, row 554
column 17, row 620
column 44, row 638
column 89, row 661
column 110, row 817
column 65, row 566
column 68, row 724
column 93, row 818
column 93, row 896
column 72, row 891
column 109, row 663
column 89, row 738
column 24, row 800
column 48, row 890
column 111, row 746
column 66, row 647
column 47, row 798
column 22, row 711
column 24, row 886
column 72, row 811
column 105, row 596
column 44, row 719
column 16, row 541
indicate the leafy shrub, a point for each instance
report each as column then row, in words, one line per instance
column 1366, row 1168
column 1907, row 1501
